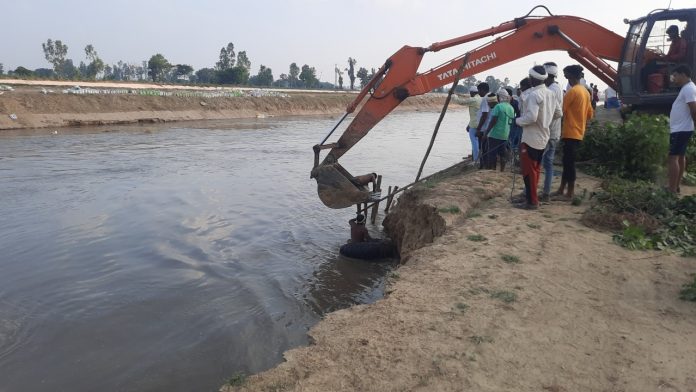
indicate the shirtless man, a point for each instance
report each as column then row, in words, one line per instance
column 358, row 231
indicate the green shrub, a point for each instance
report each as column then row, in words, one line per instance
column 672, row 223
column 636, row 149
column 639, row 196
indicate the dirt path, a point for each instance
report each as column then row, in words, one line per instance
column 565, row 310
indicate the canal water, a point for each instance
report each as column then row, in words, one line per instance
column 170, row 257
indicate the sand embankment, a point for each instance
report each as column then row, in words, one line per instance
column 36, row 110
column 504, row 300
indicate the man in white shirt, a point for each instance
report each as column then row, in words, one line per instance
column 482, row 114
column 539, row 110
column 550, row 151
column 681, row 125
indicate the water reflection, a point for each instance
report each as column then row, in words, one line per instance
column 159, row 257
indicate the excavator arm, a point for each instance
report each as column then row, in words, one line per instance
column 585, row 41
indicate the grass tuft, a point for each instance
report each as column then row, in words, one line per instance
column 476, row 237
column 505, row 296
column 450, row 210
column 510, row 259
column 473, row 213
column 238, row 379
column 476, row 339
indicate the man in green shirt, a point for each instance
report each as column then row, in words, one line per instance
column 496, row 135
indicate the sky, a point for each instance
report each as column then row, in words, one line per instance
column 275, row 33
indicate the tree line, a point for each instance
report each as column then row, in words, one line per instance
column 231, row 68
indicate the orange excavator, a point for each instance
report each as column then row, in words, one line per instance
column 586, row 42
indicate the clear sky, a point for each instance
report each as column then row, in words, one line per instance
column 275, row 33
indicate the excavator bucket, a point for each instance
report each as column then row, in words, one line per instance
column 335, row 188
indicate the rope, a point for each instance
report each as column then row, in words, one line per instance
column 442, row 114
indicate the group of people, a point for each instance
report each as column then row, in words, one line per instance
column 542, row 115
column 531, row 122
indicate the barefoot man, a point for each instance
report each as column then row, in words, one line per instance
column 577, row 110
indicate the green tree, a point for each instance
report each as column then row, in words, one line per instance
column 44, row 73
column 227, row 58
column 263, row 78
column 23, row 72
column 493, row 83
column 82, row 69
column 69, row 70
column 183, row 69
column 243, row 60
column 363, row 76
column 308, row 76
column 340, row 82
column 158, row 66
column 55, row 53
column 351, row 71
column 206, row 76
column 467, row 83
column 282, row 81
column 234, row 75
column 294, row 74
column 96, row 65
column 2, row 69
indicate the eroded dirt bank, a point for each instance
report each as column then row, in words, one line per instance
column 35, row 110
column 505, row 300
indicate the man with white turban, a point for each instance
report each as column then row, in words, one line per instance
column 540, row 108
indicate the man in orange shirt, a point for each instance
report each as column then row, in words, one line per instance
column 577, row 110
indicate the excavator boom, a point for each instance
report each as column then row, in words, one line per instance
column 585, row 41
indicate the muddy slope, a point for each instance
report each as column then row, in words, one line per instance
column 506, row 300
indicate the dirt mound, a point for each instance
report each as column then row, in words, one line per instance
column 422, row 214
column 412, row 224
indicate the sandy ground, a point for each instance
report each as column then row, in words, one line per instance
column 568, row 311
column 36, row 110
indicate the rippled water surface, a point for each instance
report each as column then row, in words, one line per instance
column 171, row 257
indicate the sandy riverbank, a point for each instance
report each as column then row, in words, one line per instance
column 566, row 310
column 36, row 110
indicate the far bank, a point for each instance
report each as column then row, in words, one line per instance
column 28, row 107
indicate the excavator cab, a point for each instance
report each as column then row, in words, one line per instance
column 643, row 75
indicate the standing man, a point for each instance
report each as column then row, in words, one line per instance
column 550, row 151
column 611, row 101
column 498, row 131
column 473, row 102
column 539, row 109
column 577, row 110
column 482, row 114
column 681, row 125
column 595, row 96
